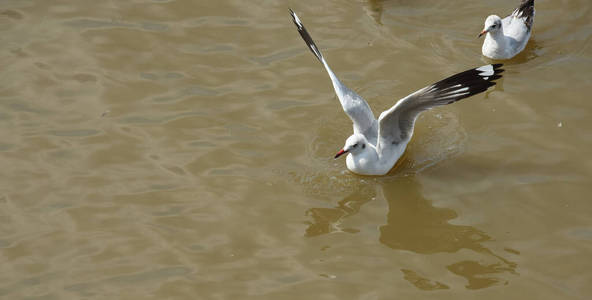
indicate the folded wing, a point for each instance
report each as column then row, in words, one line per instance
column 525, row 12
column 396, row 124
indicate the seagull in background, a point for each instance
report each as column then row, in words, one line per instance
column 376, row 145
column 504, row 38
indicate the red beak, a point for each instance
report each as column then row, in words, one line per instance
column 340, row 153
column 482, row 33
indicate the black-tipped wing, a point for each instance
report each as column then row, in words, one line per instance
column 396, row 124
column 353, row 105
column 525, row 12
column 305, row 36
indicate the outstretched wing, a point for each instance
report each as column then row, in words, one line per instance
column 525, row 12
column 396, row 124
column 354, row 106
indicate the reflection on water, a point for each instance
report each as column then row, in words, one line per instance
column 422, row 283
column 326, row 220
column 414, row 224
column 168, row 149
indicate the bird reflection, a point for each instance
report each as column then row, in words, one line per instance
column 414, row 224
column 326, row 220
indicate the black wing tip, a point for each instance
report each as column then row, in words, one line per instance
column 486, row 72
column 526, row 8
column 526, row 3
column 467, row 83
column 306, row 36
column 526, row 11
column 488, row 79
column 497, row 69
column 294, row 16
column 495, row 77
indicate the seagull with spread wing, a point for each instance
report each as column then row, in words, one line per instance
column 376, row 145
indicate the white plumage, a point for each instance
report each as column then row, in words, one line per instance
column 504, row 38
column 376, row 145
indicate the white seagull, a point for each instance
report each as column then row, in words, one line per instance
column 508, row 36
column 376, row 145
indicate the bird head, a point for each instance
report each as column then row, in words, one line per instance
column 355, row 144
column 493, row 24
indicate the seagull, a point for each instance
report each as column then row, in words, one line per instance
column 508, row 36
column 376, row 145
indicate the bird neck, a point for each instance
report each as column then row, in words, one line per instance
column 361, row 162
column 497, row 37
column 495, row 44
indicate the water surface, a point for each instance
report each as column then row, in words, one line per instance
column 183, row 150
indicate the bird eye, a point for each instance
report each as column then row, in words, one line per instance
column 355, row 145
column 363, row 146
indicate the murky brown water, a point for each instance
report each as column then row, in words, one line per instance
column 183, row 150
